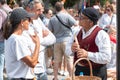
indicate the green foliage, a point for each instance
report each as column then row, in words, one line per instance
column 102, row 2
column 70, row 3
column 53, row 2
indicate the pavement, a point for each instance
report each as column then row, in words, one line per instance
column 60, row 77
column 50, row 77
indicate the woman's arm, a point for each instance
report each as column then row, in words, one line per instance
column 33, row 59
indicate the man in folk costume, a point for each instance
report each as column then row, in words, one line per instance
column 92, row 43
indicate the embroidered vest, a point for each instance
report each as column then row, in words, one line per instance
column 88, row 44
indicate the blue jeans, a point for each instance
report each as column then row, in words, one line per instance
column 41, row 76
column 1, row 59
column 19, row 79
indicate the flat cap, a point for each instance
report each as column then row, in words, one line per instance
column 91, row 13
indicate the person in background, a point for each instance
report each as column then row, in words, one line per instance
column 48, row 14
column 62, row 34
column 63, row 71
column 63, row 66
column 42, row 16
column 93, row 43
column 97, row 5
column 107, row 19
column 49, row 50
column 111, row 66
column 106, row 4
column 11, row 3
column 71, row 12
column 113, row 3
column 4, row 12
column 26, row 5
column 19, row 60
column 5, row 6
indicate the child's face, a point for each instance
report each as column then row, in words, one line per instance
column 113, row 34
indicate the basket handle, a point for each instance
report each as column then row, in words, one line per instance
column 90, row 65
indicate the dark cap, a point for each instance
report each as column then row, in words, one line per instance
column 91, row 13
column 18, row 14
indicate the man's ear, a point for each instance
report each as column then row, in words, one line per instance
column 91, row 22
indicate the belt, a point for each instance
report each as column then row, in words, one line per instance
column 93, row 67
column 20, row 79
column 80, row 64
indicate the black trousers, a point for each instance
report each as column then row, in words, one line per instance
column 100, row 72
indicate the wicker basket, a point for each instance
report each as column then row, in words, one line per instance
column 91, row 77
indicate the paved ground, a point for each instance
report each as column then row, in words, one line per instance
column 50, row 77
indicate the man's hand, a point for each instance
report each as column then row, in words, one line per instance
column 45, row 33
column 82, row 53
column 74, row 47
column 35, row 39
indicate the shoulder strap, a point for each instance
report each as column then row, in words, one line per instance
column 63, row 23
column 111, row 19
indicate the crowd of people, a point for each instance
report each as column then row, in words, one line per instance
column 34, row 39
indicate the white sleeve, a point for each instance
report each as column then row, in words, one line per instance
column 104, row 55
column 101, row 22
column 114, row 21
column 21, row 49
column 49, row 39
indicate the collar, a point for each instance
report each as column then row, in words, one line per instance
column 85, row 34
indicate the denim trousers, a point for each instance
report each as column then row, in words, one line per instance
column 41, row 76
column 19, row 79
column 1, row 59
